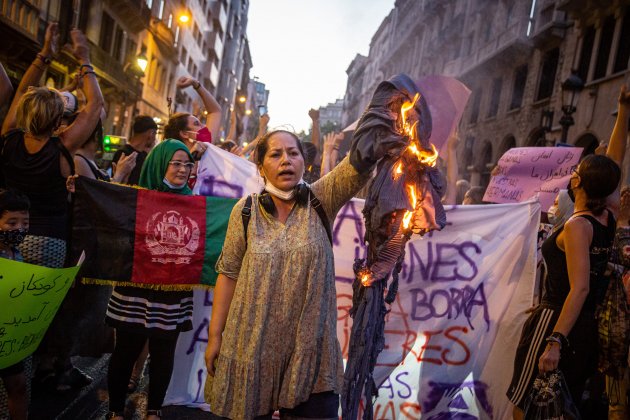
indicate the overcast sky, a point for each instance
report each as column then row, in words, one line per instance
column 302, row 48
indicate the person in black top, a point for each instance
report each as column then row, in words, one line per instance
column 140, row 143
column 36, row 162
column 561, row 333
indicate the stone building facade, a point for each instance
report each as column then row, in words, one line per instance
column 120, row 31
column 514, row 56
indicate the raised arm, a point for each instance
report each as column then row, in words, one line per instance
column 452, row 170
column 34, row 73
column 263, row 121
column 617, row 144
column 232, row 133
column 6, row 89
column 76, row 133
column 315, row 133
column 213, row 119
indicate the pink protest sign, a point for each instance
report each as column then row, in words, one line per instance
column 526, row 172
column 447, row 98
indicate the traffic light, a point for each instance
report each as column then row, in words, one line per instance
column 113, row 143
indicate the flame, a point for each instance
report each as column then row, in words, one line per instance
column 404, row 109
column 365, row 280
column 407, row 219
column 428, row 158
column 399, row 168
column 412, row 192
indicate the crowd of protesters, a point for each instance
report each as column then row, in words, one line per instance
column 289, row 358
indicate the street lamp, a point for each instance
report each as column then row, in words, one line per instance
column 142, row 60
column 184, row 17
column 570, row 89
column 242, row 99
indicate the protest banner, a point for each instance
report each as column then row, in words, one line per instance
column 30, row 296
column 453, row 329
column 523, row 173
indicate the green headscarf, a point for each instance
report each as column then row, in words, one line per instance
column 156, row 164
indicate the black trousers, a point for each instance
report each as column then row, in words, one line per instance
column 128, row 348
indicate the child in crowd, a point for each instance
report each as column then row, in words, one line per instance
column 14, row 220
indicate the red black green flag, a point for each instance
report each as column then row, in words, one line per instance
column 146, row 238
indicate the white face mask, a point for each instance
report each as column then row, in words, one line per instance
column 283, row 195
column 552, row 214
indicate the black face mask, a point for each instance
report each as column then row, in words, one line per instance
column 570, row 193
column 13, row 237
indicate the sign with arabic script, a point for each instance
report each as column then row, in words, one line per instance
column 526, row 172
column 30, row 296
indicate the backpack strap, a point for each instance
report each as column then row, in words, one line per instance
column 317, row 205
column 246, row 214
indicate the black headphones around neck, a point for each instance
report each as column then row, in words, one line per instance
column 302, row 193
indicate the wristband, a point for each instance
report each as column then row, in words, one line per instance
column 89, row 66
column 563, row 340
column 88, row 72
column 44, row 59
column 552, row 339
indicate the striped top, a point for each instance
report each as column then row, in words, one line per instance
column 150, row 312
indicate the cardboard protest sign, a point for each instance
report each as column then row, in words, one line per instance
column 30, row 296
column 527, row 172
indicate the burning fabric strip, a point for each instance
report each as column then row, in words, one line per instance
column 403, row 198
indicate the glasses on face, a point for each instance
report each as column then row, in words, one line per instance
column 179, row 164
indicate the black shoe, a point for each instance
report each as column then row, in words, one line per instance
column 73, row 378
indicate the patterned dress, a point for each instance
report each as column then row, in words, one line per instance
column 280, row 340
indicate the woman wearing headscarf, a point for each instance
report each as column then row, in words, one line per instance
column 156, row 316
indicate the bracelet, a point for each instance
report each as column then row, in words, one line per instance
column 44, row 59
column 336, row 148
column 89, row 66
column 88, row 72
column 552, row 339
column 563, row 340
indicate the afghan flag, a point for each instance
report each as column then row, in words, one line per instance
column 146, row 238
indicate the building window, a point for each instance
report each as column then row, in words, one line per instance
column 119, row 39
column 623, row 50
column 176, row 35
column 495, row 98
column 588, row 40
column 548, row 74
column 520, row 79
column 149, row 3
column 170, row 21
column 605, row 43
column 161, row 10
column 474, row 114
column 184, row 55
column 107, row 32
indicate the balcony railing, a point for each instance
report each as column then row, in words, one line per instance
column 22, row 15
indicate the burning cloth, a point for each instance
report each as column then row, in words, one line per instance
column 403, row 198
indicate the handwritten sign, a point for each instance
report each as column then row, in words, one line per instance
column 526, row 172
column 30, row 296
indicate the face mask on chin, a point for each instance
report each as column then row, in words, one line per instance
column 12, row 237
